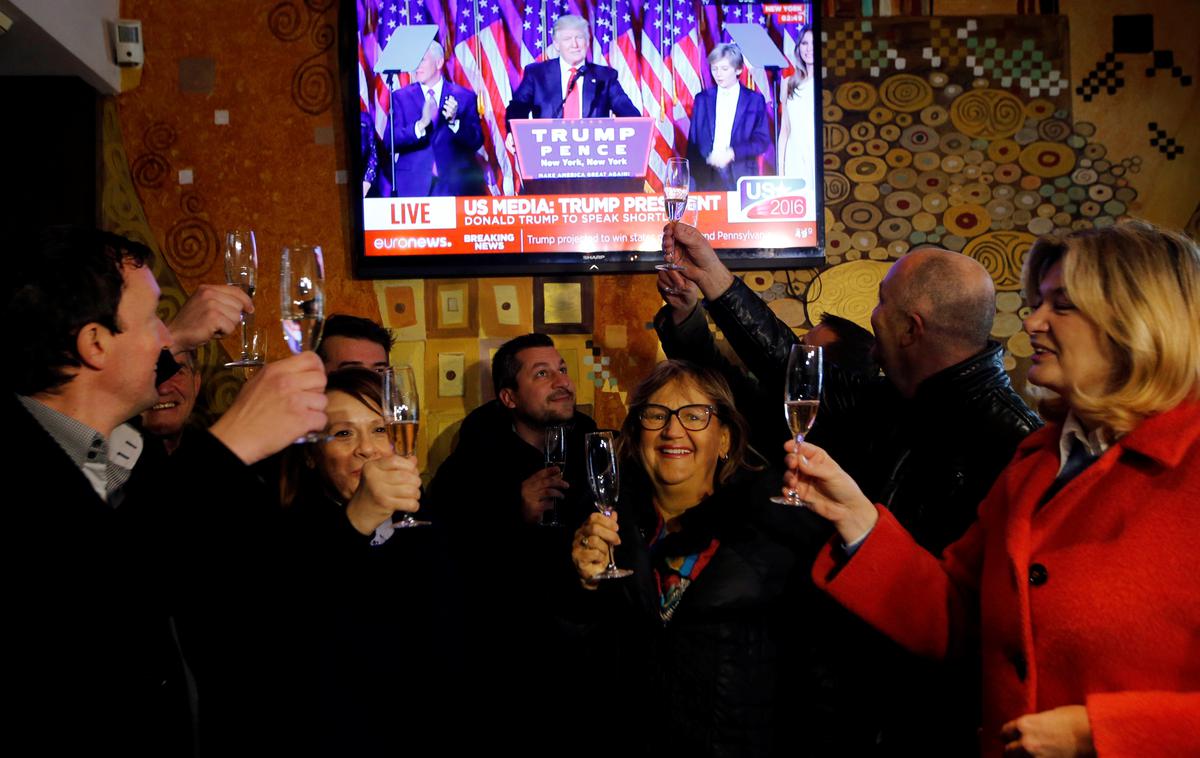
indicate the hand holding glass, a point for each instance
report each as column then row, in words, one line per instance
column 599, row 449
column 676, row 183
column 801, row 399
column 302, row 303
column 402, row 417
column 241, row 271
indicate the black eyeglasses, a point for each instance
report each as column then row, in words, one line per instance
column 694, row 418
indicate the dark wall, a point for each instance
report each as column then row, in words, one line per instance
column 49, row 138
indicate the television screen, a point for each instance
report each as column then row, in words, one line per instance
column 546, row 136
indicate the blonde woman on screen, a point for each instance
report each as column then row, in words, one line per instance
column 796, row 148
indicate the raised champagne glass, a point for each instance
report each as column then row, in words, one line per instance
column 302, row 303
column 801, row 399
column 676, row 183
column 402, row 418
column 600, row 451
column 241, row 271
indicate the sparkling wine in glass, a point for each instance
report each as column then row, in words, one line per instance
column 676, row 183
column 600, row 452
column 302, row 303
column 302, row 297
column 402, row 418
column 556, row 455
column 241, row 270
column 801, row 399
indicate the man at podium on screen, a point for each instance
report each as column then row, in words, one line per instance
column 437, row 132
column 569, row 86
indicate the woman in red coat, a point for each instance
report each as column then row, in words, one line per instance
column 1078, row 584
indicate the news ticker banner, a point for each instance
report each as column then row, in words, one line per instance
column 764, row 212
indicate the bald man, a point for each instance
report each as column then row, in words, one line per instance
column 929, row 438
column 926, row 440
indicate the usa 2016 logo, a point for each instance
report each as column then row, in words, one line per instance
column 771, row 198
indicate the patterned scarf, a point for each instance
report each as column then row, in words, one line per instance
column 674, row 574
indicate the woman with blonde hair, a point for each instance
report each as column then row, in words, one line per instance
column 796, row 145
column 1077, row 585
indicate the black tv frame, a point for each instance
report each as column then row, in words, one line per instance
column 570, row 262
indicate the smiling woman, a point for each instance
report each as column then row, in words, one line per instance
column 708, row 629
column 344, row 562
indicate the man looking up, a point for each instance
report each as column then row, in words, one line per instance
column 354, row 341
column 506, row 437
column 99, row 556
column 491, row 494
column 927, row 440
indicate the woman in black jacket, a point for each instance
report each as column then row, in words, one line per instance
column 374, row 636
column 716, row 630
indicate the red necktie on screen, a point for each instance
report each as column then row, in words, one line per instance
column 573, row 107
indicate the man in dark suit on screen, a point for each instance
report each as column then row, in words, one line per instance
column 729, row 126
column 594, row 89
column 437, row 132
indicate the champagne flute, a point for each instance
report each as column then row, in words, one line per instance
column 599, row 449
column 676, row 183
column 801, row 399
column 241, row 270
column 302, row 303
column 401, row 417
column 556, row 455
column 256, row 350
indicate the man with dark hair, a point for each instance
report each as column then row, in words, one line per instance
column 354, row 341
column 491, row 494
column 927, row 440
column 101, row 553
column 507, row 436
column 846, row 344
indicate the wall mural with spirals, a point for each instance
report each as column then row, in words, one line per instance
column 968, row 132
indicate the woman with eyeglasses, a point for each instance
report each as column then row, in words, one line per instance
column 708, row 629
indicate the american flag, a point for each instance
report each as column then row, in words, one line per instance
column 535, row 32
column 688, row 60
column 614, row 43
column 484, row 65
column 373, row 28
column 658, row 88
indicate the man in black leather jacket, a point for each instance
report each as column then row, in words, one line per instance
column 927, row 441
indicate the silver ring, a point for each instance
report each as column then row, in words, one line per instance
column 584, row 541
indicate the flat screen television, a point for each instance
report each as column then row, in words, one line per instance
column 478, row 167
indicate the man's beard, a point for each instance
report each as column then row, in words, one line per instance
column 547, row 416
